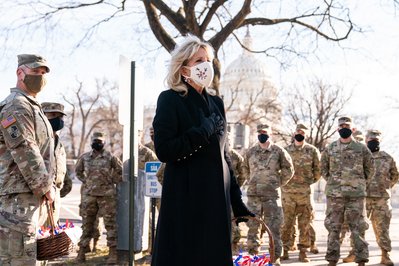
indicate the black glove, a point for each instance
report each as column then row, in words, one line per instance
column 238, row 206
column 210, row 125
column 240, row 210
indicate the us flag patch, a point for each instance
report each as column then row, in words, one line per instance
column 8, row 121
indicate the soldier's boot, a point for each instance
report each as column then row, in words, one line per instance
column 302, row 255
column 313, row 248
column 87, row 249
column 332, row 263
column 112, row 256
column 81, row 255
column 385, row 259
column 362, row 263
column 350, row 258
column 285, row 255
column 95, row 240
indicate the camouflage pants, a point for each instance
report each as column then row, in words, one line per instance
column 312, row 232
column 235, row 236
column 18, row 240
column 296, row 206
column 379, row 211
column 93, row 207
column 96, row 227
column 353, row 209
column 272, row 214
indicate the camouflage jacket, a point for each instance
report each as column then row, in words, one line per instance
column 306, row 160
column 67, row 186
column 26, row 146
column 145, row 155
column 385, row 177
column 99, row 172
column 237, row 163
column 60, row 165
column 150, row 145
column 346, row 168
column 267, row 170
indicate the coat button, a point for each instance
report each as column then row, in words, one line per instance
column 178, row 160
column 191, row 154
column 200, row 147
column 196, row 150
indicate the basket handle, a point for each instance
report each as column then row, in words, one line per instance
column 267, row 229
column 50, row 215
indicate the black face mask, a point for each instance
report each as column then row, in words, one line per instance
column 97, row 146
column 373, row 145
column 56, row 123
column 299, row 137
column 263, row 138
column 345, row 132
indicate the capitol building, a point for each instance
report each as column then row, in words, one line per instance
column 249, row 96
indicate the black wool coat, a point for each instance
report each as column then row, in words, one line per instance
column 194, row 222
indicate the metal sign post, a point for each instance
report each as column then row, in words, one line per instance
column 153, row 189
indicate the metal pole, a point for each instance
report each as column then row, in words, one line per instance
column 131, row 166
column 153, row 204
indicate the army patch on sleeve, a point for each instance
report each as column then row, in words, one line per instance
column 8, row 121
column 14, row 131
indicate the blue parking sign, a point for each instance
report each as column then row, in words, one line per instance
column 153, row 188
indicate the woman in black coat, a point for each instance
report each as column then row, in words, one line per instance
column 198, row 186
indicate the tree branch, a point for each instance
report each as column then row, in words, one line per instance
column 176, row 18
column 159, row 32
column 234, row 23
column 189, row 10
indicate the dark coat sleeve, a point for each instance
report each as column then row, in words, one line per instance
column 170, row 144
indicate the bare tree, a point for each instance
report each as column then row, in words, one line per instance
column 319, row 108
column 213, row 21
column 98, row 111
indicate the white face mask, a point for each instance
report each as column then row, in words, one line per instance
column 202, row 74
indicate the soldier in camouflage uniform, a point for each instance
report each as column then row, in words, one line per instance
column 150, row 144
column 237, row 163
column 267, row 167
column 296, row 194
column 26, row 164
column 357, row 135
column 378, row 201
column 99, row 172
column 346, row 165
column 55, row 114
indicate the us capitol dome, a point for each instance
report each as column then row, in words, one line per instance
column 248, row 93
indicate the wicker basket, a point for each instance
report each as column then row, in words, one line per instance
column 53, row 246
column 266, row 229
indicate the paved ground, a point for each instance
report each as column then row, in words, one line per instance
column 70, row 211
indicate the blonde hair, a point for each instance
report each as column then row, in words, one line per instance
column 180, row 56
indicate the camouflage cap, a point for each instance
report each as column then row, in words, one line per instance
column 32, row 61
column 53, row 107
column 302, row 127
column 373, row 134
column 263, row 127
column 344, row 120
column 98, row 135
column 358, row 135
